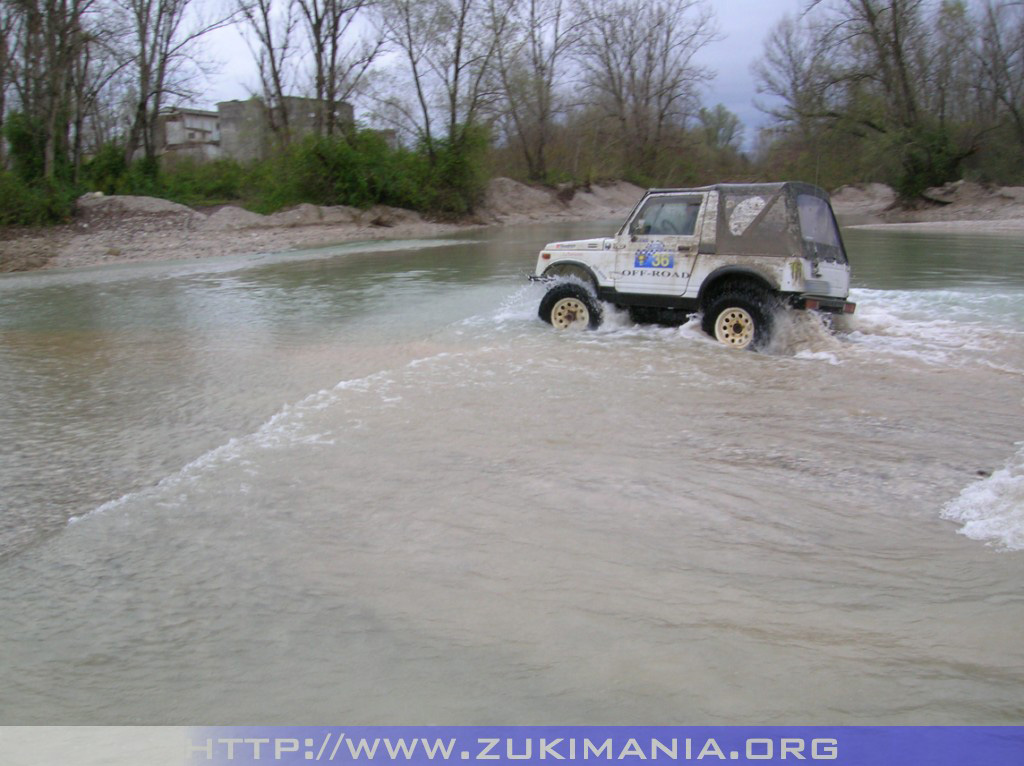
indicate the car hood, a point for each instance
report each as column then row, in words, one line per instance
column 601, row 243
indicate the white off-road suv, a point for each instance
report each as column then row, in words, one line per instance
column 734, row 252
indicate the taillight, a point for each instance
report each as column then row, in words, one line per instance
column 811, row 304
column 849, row 308
column 546, row 256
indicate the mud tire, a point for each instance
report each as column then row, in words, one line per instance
column 570, row 306
column 739, row 318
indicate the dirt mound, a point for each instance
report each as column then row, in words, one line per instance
column 300, row 215
column 231, row 217
column 959, row 201
column 969, row 201
column 382, row 215
column 96, row 211
column 340, row 214
column 863, row 199
column 613, row 200
column 507, row 199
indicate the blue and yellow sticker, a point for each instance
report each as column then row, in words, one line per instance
column 654, row 256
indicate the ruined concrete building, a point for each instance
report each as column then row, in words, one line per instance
column 240, row 130
column 193, row 133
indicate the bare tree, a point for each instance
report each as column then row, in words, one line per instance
column 272, row 49
column 341, row 58
column 952, row 66
column 449, row 48
column 94, row 73
column 162, row 46
column 1001, row 59
column 644, row 75
column 49, row 37
column 891, row 32
column 24, row 53
column 7, row 64
column 796, row 72
column 542, row 34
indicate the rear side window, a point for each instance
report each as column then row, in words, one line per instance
column 755, row 221
column 818, row 225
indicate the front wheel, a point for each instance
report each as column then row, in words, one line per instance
column 570, row 307
column 739, row 319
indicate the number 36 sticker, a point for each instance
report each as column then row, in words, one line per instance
column 651, row 257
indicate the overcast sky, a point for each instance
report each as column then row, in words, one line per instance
column 742, row 26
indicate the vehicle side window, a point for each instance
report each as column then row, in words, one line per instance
column 669, row 217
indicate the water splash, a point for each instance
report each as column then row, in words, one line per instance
column 992, row 510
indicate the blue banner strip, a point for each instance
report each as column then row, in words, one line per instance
column 852, row 745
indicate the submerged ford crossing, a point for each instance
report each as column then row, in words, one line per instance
column 734, row 252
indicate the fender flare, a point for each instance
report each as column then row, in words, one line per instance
column 578, row 265
column 722, row 273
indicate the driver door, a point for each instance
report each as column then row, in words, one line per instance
column 657, row 249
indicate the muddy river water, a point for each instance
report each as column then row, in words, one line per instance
column 368, row 485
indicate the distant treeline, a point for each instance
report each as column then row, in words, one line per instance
column 910, row 92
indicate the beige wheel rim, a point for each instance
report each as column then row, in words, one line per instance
column 570, row 314
column 735, row 327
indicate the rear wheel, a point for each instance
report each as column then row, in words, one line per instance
column 739, row 318
column 570, row 307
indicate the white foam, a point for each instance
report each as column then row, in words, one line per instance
column 818, row 356
column 937, row 327
column 614, row 319
column 520, row 306
column 692, row 330
column 803, row 334
column 992, row 510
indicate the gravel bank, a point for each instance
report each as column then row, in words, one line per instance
column 124, row 229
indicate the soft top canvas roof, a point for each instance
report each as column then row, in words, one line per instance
column 798, row 187
column 776, row 219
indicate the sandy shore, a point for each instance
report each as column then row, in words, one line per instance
column 961, row 207
column 122, row 229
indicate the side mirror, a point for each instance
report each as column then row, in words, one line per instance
column 637, row 227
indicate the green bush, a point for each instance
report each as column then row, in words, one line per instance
column 104, row 172
column 359, row 170
column 193, row 182
column 26, row 142
column 32, row 204
column 142, row 178
column 927, row 158
column 456, row 178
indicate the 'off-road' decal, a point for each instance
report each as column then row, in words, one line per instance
column 654, row 256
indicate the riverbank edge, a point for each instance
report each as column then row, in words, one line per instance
column 115, row 230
